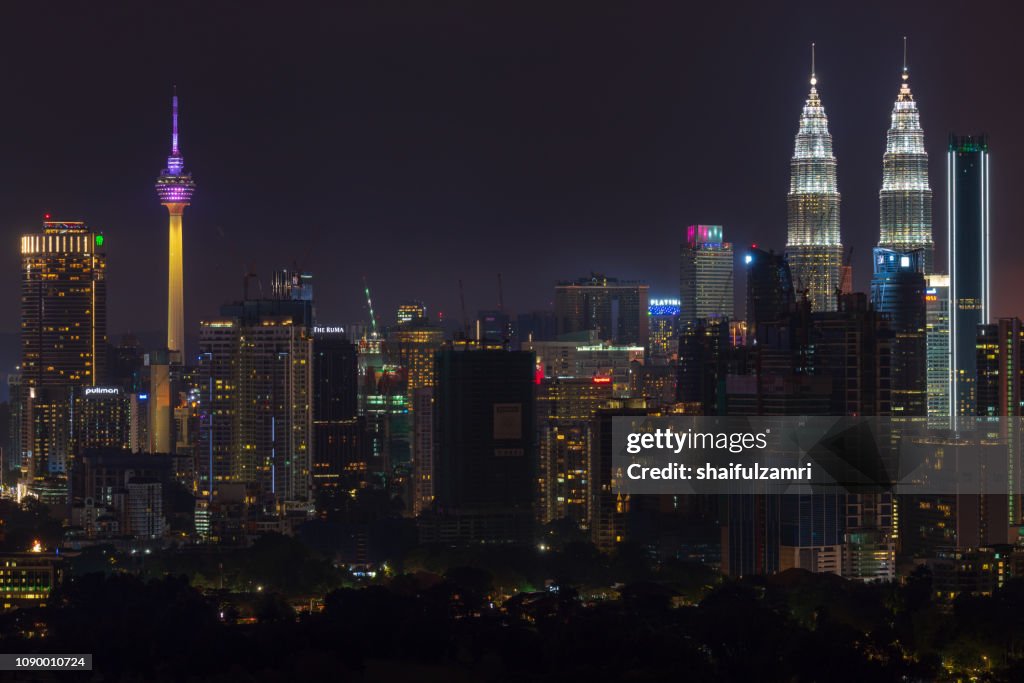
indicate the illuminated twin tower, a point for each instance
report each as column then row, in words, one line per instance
column 175, row 188
column 814, row 248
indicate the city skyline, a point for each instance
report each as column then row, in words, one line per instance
column 224, row 242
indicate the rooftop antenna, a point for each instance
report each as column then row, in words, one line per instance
column 905, row 76
column 501, row 295
column 814, row 78
column 174, row 121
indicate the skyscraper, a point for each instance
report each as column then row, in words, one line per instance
column 339, row 444
column 63, row 305
column 412, row 346
column 664, row 324
column 770, row 295
column 485, row 442
column 410, row 311
column 63, row 336
column 705, row 274
column 1000, row 372
column 967, row 196
column 936, row 299
column 905, row 199
column 565, row 406
column 897, row 292
column 1000, row 385
column 617, row 310
column 255, row 381
column 174, row 187
column 814, row 249
column 492, row 324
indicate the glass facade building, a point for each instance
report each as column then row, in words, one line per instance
column 897, row 292
column 705, row 274
column 905, row 200
column 967, row 196
column 936, row 300
column 813, row 249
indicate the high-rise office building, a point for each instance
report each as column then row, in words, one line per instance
column 101, row 418
column 770, row 295
column 565, row 406
column 853, row 346
column 608, row 510
column 254, row 385
column 616, row 309
column 705, row 274
column 485, row 443
column 174, row 187
column 664, row 324
column 968, row 207
column 1001, row 394
column 1000, row 370
column 63, row 306
column 814, row 249
column 63, row 336
column 905, row 200
column 412, row 346
column 940, row 378
column 897, row 292
column 704, row 349
column 423, row 455
column 339, row 443
column 495, row 325
column 411, row 311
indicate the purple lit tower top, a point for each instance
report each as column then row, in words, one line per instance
column 174, row 186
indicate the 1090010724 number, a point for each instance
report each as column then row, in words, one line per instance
column 14, row 662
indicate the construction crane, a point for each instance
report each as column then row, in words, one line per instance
column 369, row 305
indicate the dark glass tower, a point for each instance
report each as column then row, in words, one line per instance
column 770, row 295
column 485, row 442
column 338, row 441
column 968, row 210
column 898, row 294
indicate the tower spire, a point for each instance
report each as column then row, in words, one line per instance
column 174, row 121
column 905, row 74
column 906, row 196
column 175, row 162
column 814, row 248
column 814, row 78
column 174, row 187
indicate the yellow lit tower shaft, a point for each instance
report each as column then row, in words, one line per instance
column 175, row 188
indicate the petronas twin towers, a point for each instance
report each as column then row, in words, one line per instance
column 814, row 248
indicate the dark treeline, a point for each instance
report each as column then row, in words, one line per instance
column 791, row 627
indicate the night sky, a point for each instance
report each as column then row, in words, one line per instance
column 418, row 143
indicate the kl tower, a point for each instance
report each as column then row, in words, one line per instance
column 175, row 188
